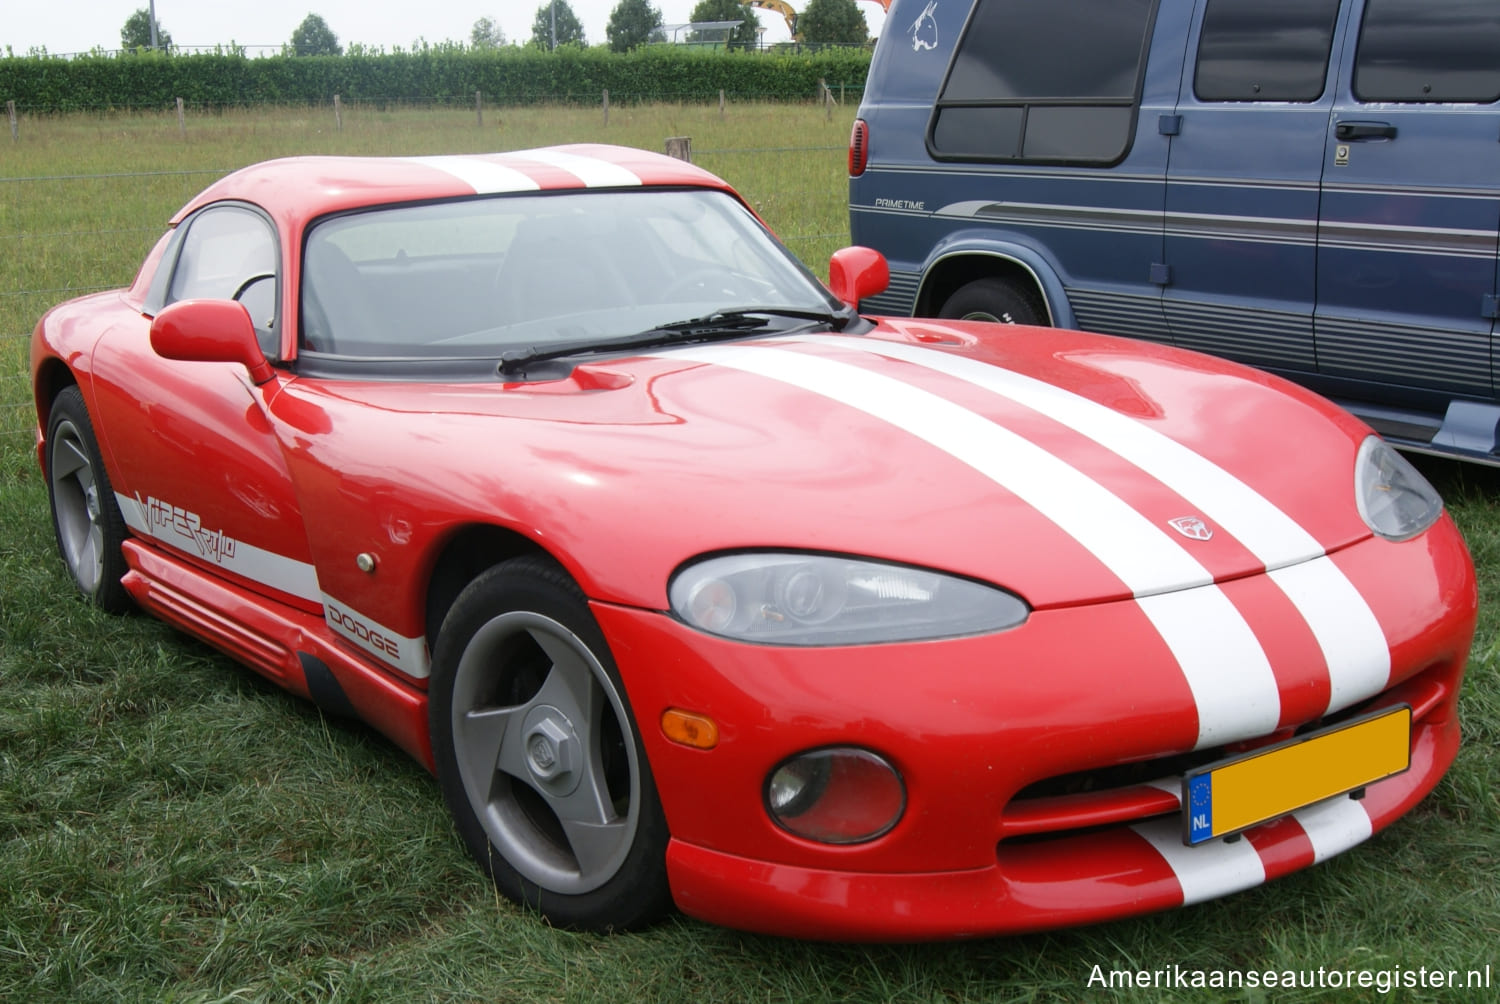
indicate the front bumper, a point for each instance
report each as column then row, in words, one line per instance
column 1103, row 875
column 977, row 726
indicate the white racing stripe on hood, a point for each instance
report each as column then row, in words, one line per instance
column 487, row 178
column 1226, row 668
column 592, row 171
column 1353, row 644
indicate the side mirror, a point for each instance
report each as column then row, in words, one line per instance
column 209, row 331
column 857, row 272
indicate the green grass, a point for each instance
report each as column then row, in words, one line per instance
column 172, row 827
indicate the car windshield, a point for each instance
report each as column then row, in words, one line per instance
column 486, row 276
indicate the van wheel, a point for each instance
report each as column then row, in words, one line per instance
column 999, row 301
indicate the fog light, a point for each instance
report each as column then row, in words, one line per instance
column 836, row 796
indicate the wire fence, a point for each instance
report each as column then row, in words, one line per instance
column 71, row 230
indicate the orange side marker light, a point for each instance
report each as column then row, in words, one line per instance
column 688, row 728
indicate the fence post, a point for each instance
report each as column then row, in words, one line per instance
column 478, row 110
column 680, row 147
column 10, row 107
column 181, row 120
column 721, row 103
column 827, row 97
column 338, row 115
column 606, row 106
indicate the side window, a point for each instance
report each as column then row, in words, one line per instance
column 1264, row 50
column 1428, row 50
column 229, row 253
column 1048, row 80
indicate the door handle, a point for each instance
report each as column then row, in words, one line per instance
column 1364, row 130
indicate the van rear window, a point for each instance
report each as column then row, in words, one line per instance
column 1428, row 50
column 1049, row 80
column 1264, row 50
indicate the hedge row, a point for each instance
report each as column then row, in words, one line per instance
column 503, row 76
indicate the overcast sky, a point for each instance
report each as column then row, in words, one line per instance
column 65, row 26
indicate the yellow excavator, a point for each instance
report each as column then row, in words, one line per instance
column 790, row 16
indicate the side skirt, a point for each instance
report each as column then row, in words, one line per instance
column 291, row 648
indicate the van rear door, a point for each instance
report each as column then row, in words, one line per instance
column 1243, row 172
column 1411, row 203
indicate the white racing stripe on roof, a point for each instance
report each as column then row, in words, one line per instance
column 1205, row 871
column 1224, row 664
column 486, row 177
column 1353, row 644
column 592, row 171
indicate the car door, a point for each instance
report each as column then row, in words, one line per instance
column 199, row 471
column 1411, row 203
column 1243, row 172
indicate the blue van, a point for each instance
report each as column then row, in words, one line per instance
column 1308, row 186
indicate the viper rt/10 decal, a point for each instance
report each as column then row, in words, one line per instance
column 180, row 527
column 165, row 519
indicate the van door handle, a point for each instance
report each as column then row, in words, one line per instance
column 1364, row 130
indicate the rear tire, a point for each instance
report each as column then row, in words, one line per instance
column 538, row 755
column 999, row 301
column 85, row 516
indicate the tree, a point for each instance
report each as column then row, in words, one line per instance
column 486, row 34
column 137, row 32
column 632, row 24
column 835, row 21
column 313, row 37
column 745, row 35
column 569, row 28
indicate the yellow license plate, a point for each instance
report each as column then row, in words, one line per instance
column 1235, row 794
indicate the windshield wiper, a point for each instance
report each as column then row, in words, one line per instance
column 723, row 324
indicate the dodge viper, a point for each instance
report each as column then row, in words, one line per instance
column 695, row 587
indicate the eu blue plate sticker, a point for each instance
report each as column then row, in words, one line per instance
column 1200, row 808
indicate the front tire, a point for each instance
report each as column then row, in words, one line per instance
column 538, row 755
column 999, row 301
column 85, row 516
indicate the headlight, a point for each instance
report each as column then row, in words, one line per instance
column 1394, row 499
column 809, row 599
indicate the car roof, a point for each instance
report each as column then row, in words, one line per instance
column 297, row 189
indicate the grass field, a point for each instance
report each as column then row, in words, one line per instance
column 173, row 828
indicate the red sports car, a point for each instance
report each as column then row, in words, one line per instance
column 694, row 586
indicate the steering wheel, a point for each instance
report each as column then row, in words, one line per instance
column 239, row 290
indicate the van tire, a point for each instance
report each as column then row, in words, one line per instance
column 999, row 301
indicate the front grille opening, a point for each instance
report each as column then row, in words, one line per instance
column 1079, row 802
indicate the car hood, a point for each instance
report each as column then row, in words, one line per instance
column 1068, row 468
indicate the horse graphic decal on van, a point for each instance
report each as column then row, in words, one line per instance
column 924, row 29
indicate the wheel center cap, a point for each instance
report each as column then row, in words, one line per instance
column 543, row 752
column 554, row 753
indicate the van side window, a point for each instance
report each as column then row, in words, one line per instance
column 1428, row 50
column 1051, row 80
column 1264, row 50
